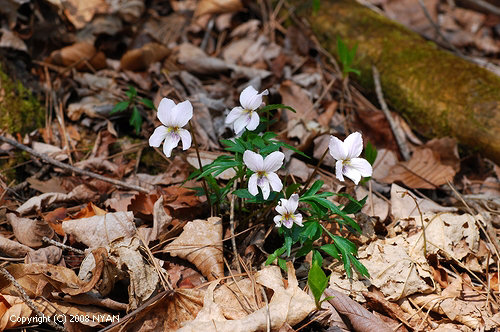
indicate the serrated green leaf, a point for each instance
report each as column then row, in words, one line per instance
column 354, row 206
column 148, row 103
column 136, row 120
column 370, row 152
column 119, row 107
column 317, row 281
column 345, row 246
column 331, row 250
column 274, row 255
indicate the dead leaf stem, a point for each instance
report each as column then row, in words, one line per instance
column 74, row 169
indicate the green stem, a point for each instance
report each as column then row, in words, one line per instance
column 204, row 183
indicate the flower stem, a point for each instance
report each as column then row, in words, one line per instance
column 309, row 179
column 204, row 183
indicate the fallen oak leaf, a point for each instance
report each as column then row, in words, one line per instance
column 29, row 231
column 201, row 244
column 361, row 319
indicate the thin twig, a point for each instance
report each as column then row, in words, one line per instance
column 28, row 301
column 397, row 131
column 74, row 169
column 231, row 227
column 62, row 246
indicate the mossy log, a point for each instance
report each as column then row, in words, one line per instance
column 438, row 93
column 20, row 110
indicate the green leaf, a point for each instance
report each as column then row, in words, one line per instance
column 132, row 92
column 316, row 6
column 282, row 264
column 317, row 281
column 359, row 267
column 317, row 257
column 148, row 103
column 314, row 188
column 306, row 248
column 136, row 120
column 274, row 255
column 288, row 245
column 291, row 189
column 243, row 193
column 119, row 107
column 310, row 230
column 344, row 245
column 331, row 250
column 354, row 206
column 370, row 152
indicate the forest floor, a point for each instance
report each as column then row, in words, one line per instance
column 120, row 237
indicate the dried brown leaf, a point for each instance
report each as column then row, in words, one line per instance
column 99, row 231
column 201, row 244
column 217, row 7
column 141, row 58
column 13, row 248
column 361, row 319
column 80, row 55
column 423, row 170
column 28, row 231
column 50, row 255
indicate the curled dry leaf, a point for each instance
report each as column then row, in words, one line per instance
column 50, row 255
column 144, row 278
column 78, row 194
column 288, row 305
column 141, row 58
column 161, row 221
column 423, row 170
column 217, row 7
column 361, row 319
column 83, row 56
column 99, row 231
column 13, row 248
column 28, row 231
column 201, row 244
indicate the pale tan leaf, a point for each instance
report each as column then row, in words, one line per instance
column 239, row 298
column 99, row 231
column 28, row 231
column 161, row 221
column 141, row 58
column 83, row 56
column 287, row 306
column 144, row 278
column 201, row 244
column 13, row 248
column 12, row 306
column 79, row 193
column 361, row 319
column 423, row 170
column 51, row 255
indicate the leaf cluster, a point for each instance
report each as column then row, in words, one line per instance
column 132, row 103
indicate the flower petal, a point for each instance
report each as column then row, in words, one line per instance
column 254, row 121
column 277, row 220
column 171, row 141
column 234, row 114
column 362, row 166
column 182, row 113
column 298, row 219
column 292, row 203
column 241, row 122
column 252, row 185
column 288, row 223
column 165, row 111
column 264, row 185
column 186, row 138
column 250, row 99
column 274, row 161
column 338, row 170
column 352, row 173
column 254, row 161
column 158, row 136
column 275, row 181
column 337, row 149
column 280, row 208
column 354, row 145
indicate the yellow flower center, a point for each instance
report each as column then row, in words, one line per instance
column 288, row 216
column 173, row 130
column 261, row 174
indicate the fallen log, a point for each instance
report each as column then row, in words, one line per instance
column 439, row 93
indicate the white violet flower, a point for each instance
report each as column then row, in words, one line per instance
column 246, row 116
column 173, row 117
column 264, row 172
column 286, row 208
column 346, row 153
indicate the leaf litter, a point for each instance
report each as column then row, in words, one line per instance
column 156, row 259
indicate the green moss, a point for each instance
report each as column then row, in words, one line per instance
column 20, row 111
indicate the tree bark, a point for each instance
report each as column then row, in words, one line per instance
column 438, row 93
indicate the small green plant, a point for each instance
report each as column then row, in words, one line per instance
column 254, row 156
column 346, row 56
column 132, row 102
